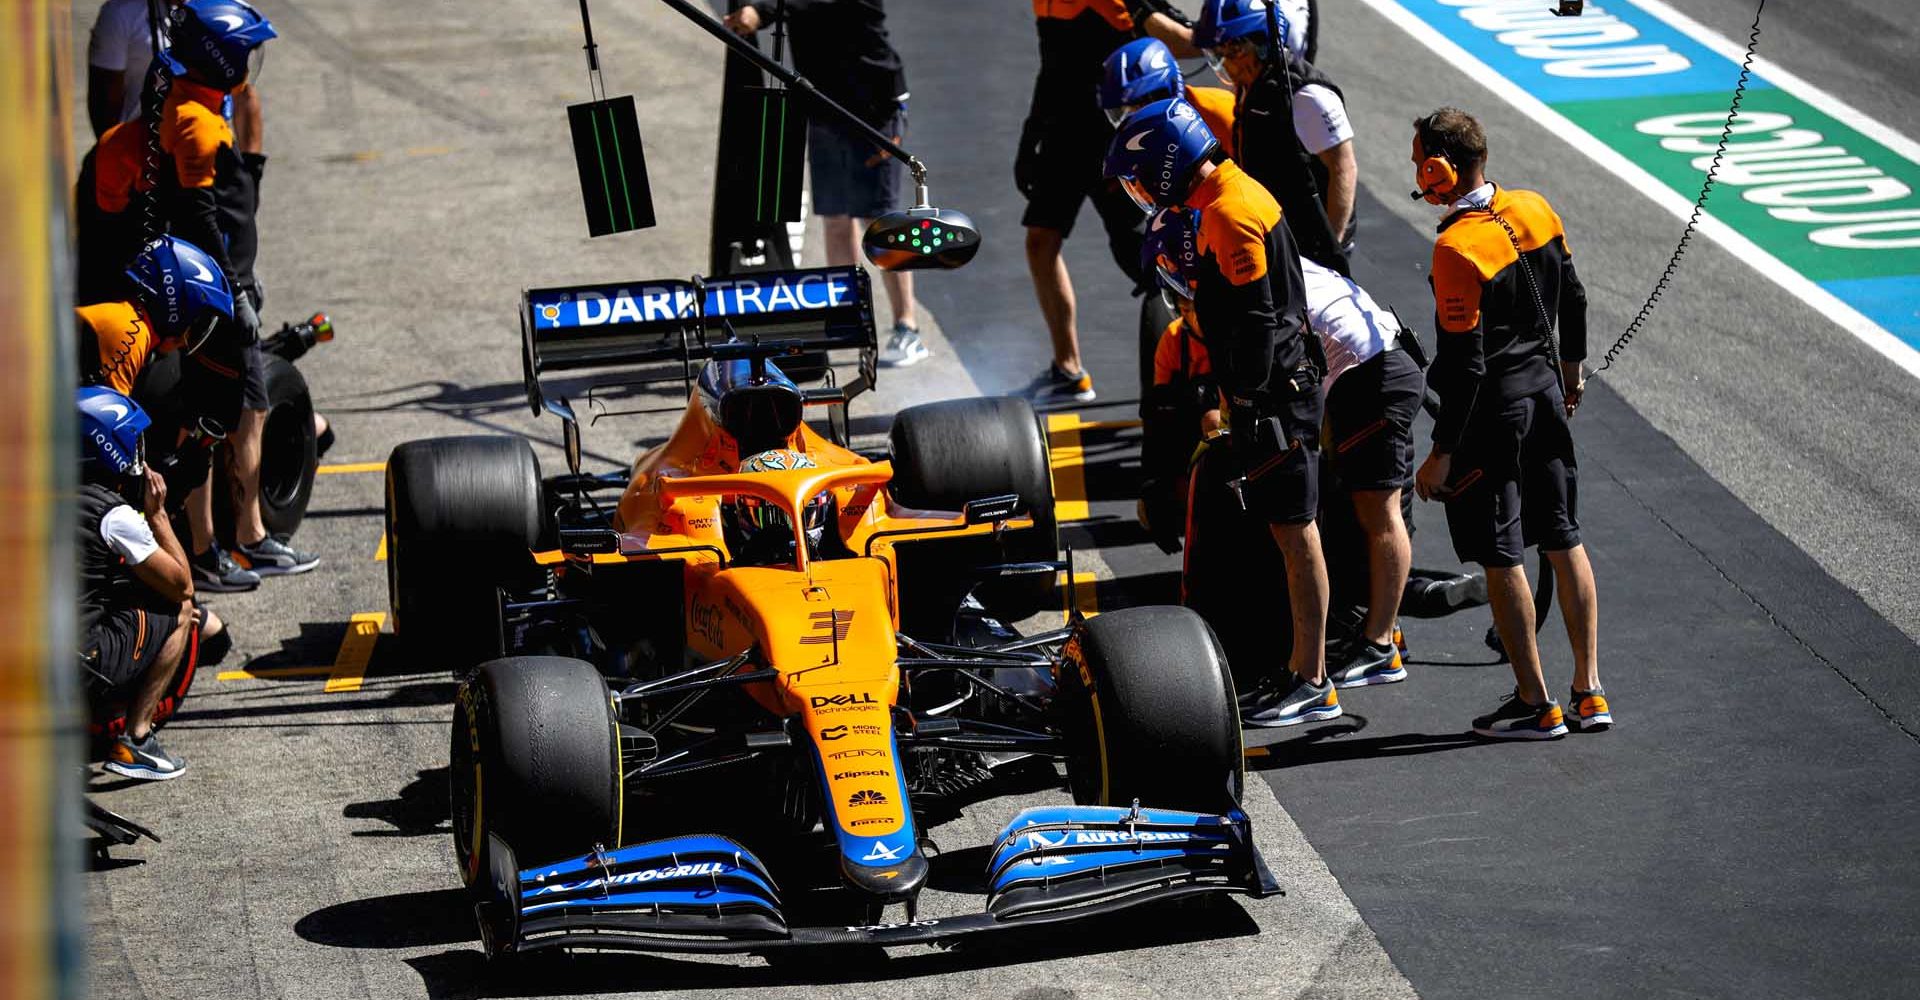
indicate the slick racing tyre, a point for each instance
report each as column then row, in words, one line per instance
column 1146, row 705
column 1155, row 316
column 463, row 515
column 947, row 453
column 535, row 758
column 288, row 456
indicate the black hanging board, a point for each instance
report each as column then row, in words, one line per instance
column 613, row 169
column 763, row 150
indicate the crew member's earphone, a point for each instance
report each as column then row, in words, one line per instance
column 1435, row 174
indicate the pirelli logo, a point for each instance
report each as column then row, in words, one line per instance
column 829, row 627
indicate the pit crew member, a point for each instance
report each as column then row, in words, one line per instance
column 1251, row 306
column 842, row 47
column 138, row 621
column 1144, row 71
column 1502, row 458
column 1291, row 130
column 1057, row 168
column 1369, row 428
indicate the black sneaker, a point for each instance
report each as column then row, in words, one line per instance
column 215, row 571
column 1367, row 664
column 273, row 557
column 1056, row 386
column 1517, row 720
column 144, row 759
column 1289, row 702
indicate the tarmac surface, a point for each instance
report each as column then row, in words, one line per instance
column 1745, row 831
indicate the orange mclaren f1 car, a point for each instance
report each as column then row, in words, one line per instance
column 703, row 694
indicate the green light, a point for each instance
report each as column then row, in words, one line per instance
column 936, row 230
column 925, row 249
column 936, row 242
column 916, row 242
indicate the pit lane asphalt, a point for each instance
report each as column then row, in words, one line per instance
column 1745, row 830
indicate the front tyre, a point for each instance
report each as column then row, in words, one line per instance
column 535, row 758
column 1147, row 707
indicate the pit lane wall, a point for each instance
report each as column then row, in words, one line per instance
column 1825, row 192
column 40, row 917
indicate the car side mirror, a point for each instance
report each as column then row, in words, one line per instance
column 921, row 238
column 989, row 510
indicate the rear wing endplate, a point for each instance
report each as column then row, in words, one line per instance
column 628, row 325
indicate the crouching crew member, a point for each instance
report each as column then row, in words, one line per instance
column 1251, row 307
column 1182, row 406
column 139, row 626
column 1502, row 457
column 1290, row 127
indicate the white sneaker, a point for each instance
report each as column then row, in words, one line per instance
column 904, row 348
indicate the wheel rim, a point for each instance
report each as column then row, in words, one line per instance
column 466, row 806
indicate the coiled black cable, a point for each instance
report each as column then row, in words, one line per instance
column 1699, row 203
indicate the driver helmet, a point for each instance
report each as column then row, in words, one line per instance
column 1157, row 150
column 747, row 519
column 1139, row 72
column 217, row 42
column 1170, row 250
column 111, row 426
column 182, row 290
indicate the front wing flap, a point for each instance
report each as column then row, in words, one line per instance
column 707, row 893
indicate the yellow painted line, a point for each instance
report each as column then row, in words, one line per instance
column 380, row 554
column 1259, row 752
column 350, row 665
column 1083, row 592
column 1069, row 472
column 333, row 470
column 1110, row 425
column 429, row 150
column 272, row 673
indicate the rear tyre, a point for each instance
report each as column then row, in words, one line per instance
column 1146, row 704
column 463, row 515
column 535, row 758
column 947, row 453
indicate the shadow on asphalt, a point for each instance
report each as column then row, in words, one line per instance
column 422, row 808
column 467, row 973
column 1337, row 741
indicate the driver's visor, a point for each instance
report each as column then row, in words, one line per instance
column 1138, row 192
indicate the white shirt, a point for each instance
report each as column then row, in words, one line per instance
column 123, row 41
column 128, row 534
column 1351, row 326
column 1320, row 118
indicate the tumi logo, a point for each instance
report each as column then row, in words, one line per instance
column 856, row 751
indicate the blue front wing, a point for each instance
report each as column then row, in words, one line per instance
column 707, row 893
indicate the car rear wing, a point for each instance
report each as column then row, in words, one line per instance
column 674, row 325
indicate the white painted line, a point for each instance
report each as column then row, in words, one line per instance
column 1784, row 79
column 1795, row 284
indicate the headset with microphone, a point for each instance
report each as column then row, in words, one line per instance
column 1436, row 174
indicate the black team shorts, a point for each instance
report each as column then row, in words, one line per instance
column 1370, row 412
column 121, row 646
column 1514, row 481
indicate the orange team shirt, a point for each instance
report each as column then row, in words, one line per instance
column 1215, row 105
column 1166, row 355
column 192, row 131
column 125, row 341
column 1236, row 216
column 1112, row 11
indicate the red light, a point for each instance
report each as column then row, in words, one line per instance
column 926, row 225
